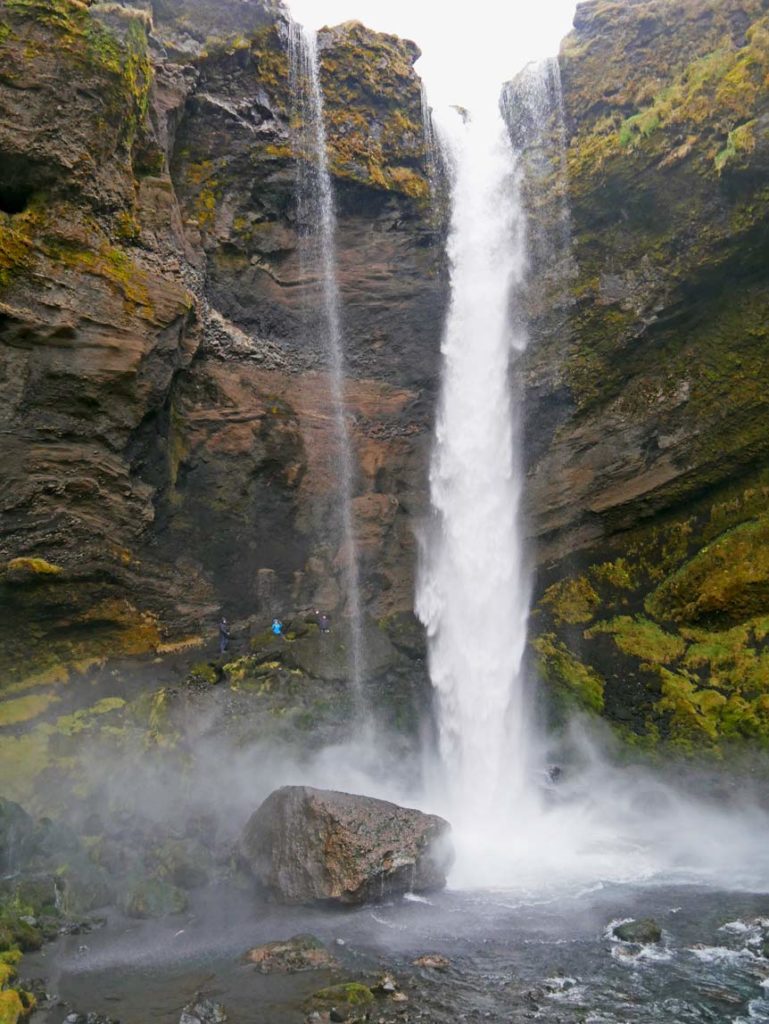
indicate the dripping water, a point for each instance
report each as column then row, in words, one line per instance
column 316, row 214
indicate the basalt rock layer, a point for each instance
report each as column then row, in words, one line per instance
column 168, row 442
column 647, row 371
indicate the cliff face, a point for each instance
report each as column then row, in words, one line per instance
column 168, row 444
column 647, row 374
column 167, row 439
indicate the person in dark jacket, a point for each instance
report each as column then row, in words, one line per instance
column 224, row 636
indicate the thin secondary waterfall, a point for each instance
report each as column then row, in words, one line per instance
column 473, row 591
column 316, row 215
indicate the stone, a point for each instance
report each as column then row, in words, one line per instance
column 151, row 897
column 433, row 962
column 301, row 953
column 309, row 845
column 643, row 931
column 203, row 1011
column 343, row 1002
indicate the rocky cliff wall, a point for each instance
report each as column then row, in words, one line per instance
column 168, row 442
column 648, row 373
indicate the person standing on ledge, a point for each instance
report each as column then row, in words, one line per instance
column 277, row 627
column 224, row 636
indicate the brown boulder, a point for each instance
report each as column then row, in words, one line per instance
column 309, row 845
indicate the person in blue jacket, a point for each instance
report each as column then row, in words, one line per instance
column 277, row 627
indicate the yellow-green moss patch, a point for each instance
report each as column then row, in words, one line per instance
column 563, row 669
column 642, row 638
column 24, row 709
column 572, row 600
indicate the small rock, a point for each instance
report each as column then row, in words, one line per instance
column 301, row 953
column 203, row 1011
column 386, row 984
column 644, row 931
column 433, row 961
column 400, row 997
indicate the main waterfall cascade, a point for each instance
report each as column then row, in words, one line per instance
column 473, row 590
column 316, row 216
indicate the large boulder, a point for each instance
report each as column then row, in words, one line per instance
column 307, row 845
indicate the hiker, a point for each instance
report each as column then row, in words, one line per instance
column 224, row 636
column 277, row 627
column 324, row 623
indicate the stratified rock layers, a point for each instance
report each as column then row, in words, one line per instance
column 313, row 845
column 168, row 448
column 648, row 407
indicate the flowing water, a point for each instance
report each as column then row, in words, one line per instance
column 316, row 214
column 513, row 957
column 473, row 592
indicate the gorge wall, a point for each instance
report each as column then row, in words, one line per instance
column 167, row 444
column 647, row 376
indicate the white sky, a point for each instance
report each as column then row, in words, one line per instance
column 468, row 48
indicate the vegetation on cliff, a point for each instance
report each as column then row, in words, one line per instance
column 660, row 348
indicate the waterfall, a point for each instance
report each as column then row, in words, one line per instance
column 473, row 592
column 316, row 216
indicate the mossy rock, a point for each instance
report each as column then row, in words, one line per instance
column 644, row 931
column 207, row 672
column 149, row 897
column 14, row 1008
column 727, row 581
column 349, row 995
column 184, row 863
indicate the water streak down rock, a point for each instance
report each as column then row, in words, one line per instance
column 310, row 845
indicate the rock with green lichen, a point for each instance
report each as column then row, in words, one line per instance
column 349, row 999
column 152, row 898
column 647, row 473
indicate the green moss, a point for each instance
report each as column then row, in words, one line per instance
column 204, row 672
column 571, row 600
column 33, row 567
column 642, row 638
column 23, row 709
column 564, row 670
column 351, row 993
column 12, row 1008
column 618, row 574
column 727, row 580
column 373, row 111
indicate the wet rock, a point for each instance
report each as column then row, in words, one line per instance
column 644, row 931
column 203, row 1011
column 301, row 953
column 152, row 898
column 17, row 836
column 345, row 1002
column 386, row 984
column 326, row 656
column 306, row 845
column 433, row 962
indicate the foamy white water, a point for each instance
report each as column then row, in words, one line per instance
column 473, row 590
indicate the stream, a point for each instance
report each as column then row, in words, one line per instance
column 513, row 955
